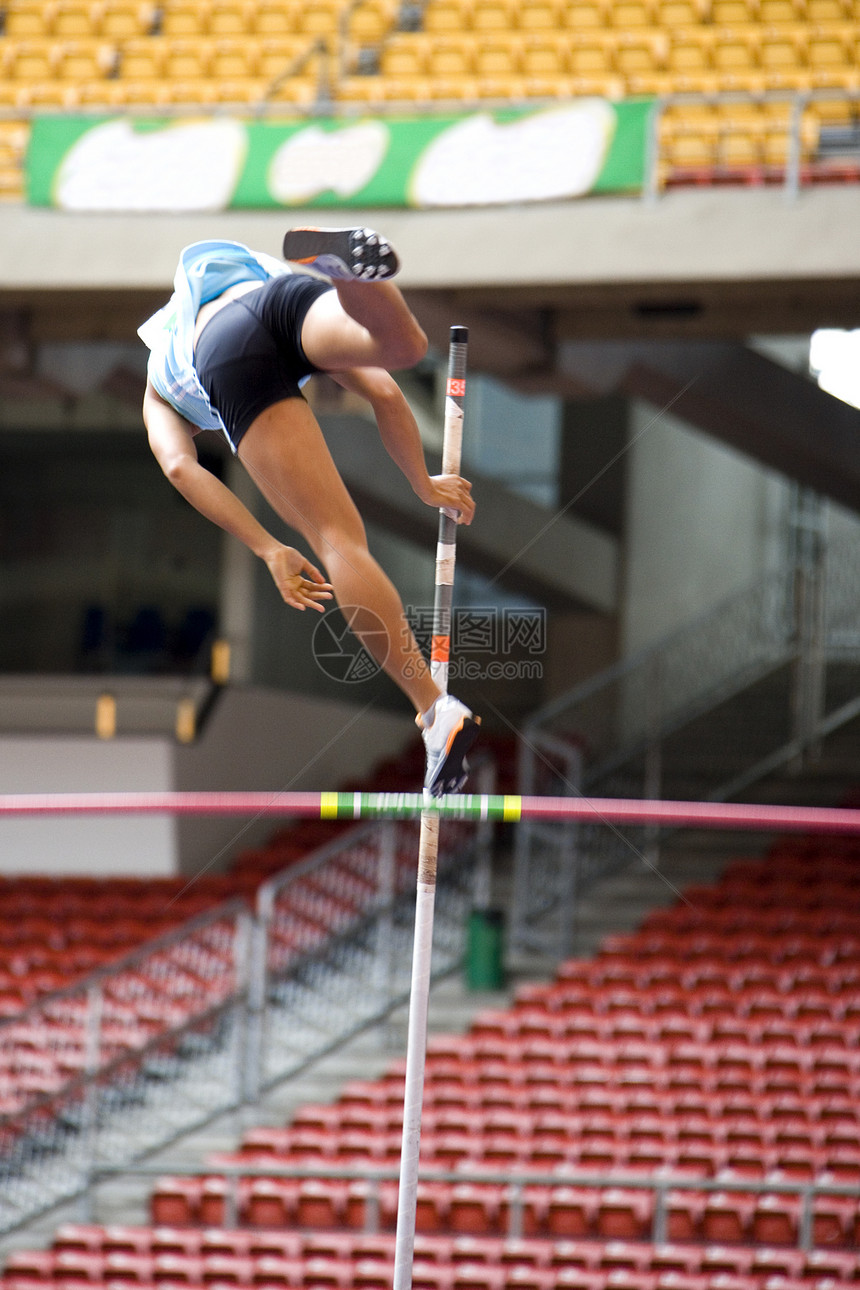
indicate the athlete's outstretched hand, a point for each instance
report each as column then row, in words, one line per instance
column 452, row 492
column 300, row 583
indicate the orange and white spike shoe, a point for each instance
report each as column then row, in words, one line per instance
column 343, row 254
column 447, row 740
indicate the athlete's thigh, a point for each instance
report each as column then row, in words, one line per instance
column 286, row 455
column 333, row 341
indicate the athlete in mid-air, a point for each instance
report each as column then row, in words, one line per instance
column 241, row 333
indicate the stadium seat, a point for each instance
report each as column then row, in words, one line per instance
column 540, row 15
column 572, row 1212
column 477, row 1210
column 176, row 1202
column 25, row 19
column 447, row 15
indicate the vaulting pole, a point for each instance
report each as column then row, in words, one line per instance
column 428, row 844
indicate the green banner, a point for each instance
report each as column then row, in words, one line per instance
column 477, row 159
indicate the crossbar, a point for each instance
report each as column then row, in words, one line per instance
column 507, row 808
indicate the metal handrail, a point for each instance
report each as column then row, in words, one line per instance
column 517, row 1181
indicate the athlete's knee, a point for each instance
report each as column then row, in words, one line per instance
column 409, row 345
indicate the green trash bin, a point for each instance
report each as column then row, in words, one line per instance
column 485, row 950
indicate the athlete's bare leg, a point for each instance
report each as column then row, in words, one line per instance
column 286, row 455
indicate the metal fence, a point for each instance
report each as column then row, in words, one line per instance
column 196, row 1023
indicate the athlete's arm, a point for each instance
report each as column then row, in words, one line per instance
column 170, row 437
column 399, row 432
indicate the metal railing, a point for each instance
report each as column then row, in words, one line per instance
column 516, row 1191
column 195, row 1024
column 748, row 689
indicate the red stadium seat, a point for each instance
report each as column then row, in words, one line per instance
column 432, row 1207
column 321, row 1202
column 776, row 1219
column 477, row 1209
column 176, row 1201
column 625, row 1213
column 572, row 1211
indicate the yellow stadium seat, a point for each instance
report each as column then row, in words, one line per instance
column 371, row 21
column 275, row 17
column 782, row 47
column 453, row 89
column 233, row 59
column 577, row 14
column 590, row 54
column 405, row 55
column 500, row 89
column 637, row 54
column 692, row 152
column 361, row 89
column 543, row 55
column 829, row 48
column 690, row 50
column 103, row 94
column 197, row 91
column 678, row 13
column 739, row 146
column 451, row 58
column 185, row 18
column 48, row 94
column 736, row 49
column 831, row 11
column 540, row 15
column 648, row 84
column 447, row 15
column 777, row 11
column 246, row 89
column 632, row 13
column 187, row 60
column 147, row 92
column 75, row 18
column 85, row 60
column 125, row 19
column 277, row 55
column 547, row 87
column 143, row 59
column 496, row 56
column 607, row 86
column 731, row 13
column 29, row 60
column 25, row 19
column 231, row 17
column 414, row 89
column 319, row 17
column 494, row 15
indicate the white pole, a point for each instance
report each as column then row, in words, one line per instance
column 428, row 844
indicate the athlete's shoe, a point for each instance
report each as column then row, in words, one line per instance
column 345, row 254
column 447, row 740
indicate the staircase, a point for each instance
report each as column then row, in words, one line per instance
column 759, row 699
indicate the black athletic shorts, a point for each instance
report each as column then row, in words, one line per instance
column 249, row 354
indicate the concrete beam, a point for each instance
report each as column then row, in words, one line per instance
column 778, row 417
